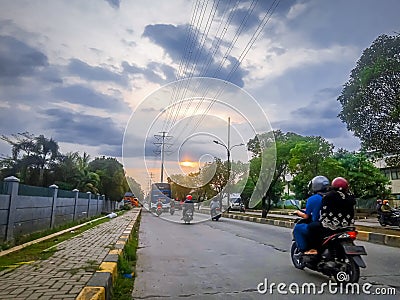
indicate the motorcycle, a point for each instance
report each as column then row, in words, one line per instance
column 172, row 210
column 215, row 214
column 188, row 215
column 159, row 208
column 337, row 255
column 391, row 219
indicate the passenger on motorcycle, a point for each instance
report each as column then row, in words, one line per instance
column 188, row 204
column 386, row 208
column 303, row 231
column 337, row 209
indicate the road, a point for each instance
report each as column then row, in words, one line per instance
column 229, row 259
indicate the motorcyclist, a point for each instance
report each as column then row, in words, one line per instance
column 303, row 231
column 188, row 204
column 378, row 205
column 337, row 210
column 214, row 204
column 386, row 208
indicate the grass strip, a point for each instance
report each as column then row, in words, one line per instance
column 123, row 286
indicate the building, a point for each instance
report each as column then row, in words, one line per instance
column 393, row 173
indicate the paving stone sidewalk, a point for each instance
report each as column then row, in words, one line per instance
column 66, row 272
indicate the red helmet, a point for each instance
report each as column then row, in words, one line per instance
column 340, row 183
column 189, row 197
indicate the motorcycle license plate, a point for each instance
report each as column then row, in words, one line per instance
column 354, row 250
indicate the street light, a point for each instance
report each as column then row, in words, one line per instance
column 228, row 151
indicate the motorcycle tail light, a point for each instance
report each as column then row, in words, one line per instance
column 352, row 234
column 348, row 235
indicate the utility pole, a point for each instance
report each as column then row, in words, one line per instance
column 162, row 142
column 229, row 160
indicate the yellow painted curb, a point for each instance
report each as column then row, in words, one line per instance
column 92, row 293
column 115, row 251
column 110, row 267
column 363, row 236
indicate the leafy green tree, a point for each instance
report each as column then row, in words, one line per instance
column 87, row 180
column 310, row 158
column 112, row 180
column 370, row 98
column 366, row 180
column 270, row 162
column 32, row 157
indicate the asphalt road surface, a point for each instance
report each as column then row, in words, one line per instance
column 232, row 259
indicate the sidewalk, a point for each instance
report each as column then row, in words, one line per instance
column 66, row 273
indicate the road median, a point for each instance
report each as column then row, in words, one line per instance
column 364, row 233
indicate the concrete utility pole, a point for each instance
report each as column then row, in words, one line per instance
column 162, row 142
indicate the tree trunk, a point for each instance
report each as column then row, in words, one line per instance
column 263, row 207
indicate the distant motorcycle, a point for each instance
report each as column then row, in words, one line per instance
column 391, row 218
column 159, row 208
column 172, row 210
column 215, row 213
column 188, row 215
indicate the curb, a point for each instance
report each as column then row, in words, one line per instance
column 100, row 285
column 367, row 236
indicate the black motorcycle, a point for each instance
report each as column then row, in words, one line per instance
column 390, row 218
column 337, row 256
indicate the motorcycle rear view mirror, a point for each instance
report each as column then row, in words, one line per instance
column 294, row 203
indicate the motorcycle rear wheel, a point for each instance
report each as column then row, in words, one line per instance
column 297, row 262
column 352, row 271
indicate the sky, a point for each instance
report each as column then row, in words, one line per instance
column 89, row 73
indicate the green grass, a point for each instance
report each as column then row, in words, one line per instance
column 123, row 287
column 42, row 250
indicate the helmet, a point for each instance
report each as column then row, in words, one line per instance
column 379, row 201
column 189, row 197
column 318, row 184
column 340, row 183
column 385, row 202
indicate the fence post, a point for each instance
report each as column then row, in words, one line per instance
column 75, row 204
column 97, row 206
column 12, row 190
column 54, row 205
column 103, row 201
column 88, row 206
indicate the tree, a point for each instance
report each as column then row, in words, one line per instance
column 370, row 98
column 366, row 181
column 32, row 157
column 310, row 158
column 112, row 181
column 136, row 188
column 269, row 165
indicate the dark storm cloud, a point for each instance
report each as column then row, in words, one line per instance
column 249, row 14
column 352, row 21
column 170, row 37
column 151, row 72
column 114, row 3
column 319, row 117
column 85, row 71
column 84, row 129
column 18, row 59
column 194, row 59
column 79, row 94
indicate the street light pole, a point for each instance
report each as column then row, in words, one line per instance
column 228, row 151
